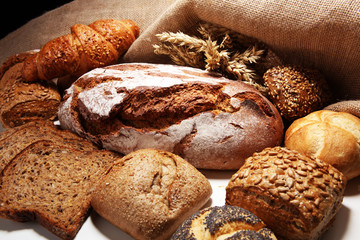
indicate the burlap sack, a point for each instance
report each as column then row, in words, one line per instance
column 324, row 34
column 351, row 106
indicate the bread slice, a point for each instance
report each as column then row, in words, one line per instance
column 20, row 137
column 52, row 184
column 40, row 124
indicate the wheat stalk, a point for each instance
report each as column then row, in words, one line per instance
column 180, row 39
column 216, row 49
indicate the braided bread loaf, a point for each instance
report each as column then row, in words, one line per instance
column 98, row 44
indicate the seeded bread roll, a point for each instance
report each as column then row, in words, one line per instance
column 296, row 91
column 297, row 197
column 210, row 121
column 225, row 222
column 149, row 193
column 22, row 102
column 333, row 137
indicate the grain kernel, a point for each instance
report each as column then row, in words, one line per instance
column 258, row 181
column 282, row 189
column 291, row 173
column 308, row 206
column 273, row 192
column 284, row 196
column 317, row 174
column 295, row 202
column 301, row 173
column 309, row 195
column 299, row 187
column 273, row 178
column 291, row 194
column 290, row 182
column 317, row 202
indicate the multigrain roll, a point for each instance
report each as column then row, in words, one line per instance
column 223, row 222
column 149, row 193
column 333, row 137
column 212, row 122
column 296, row 196
column 296, row 91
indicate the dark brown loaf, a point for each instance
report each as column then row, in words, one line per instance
column 296, row 91
column 48, row 174
column 149, row 193
column 210, row 121
column 223, row 222
column 22, row 102
column 10, row 62
column 52, row 184
column 297, row 197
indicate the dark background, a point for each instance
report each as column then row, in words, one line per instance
column 17, row 13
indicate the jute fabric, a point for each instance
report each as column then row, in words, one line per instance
column 323, row 34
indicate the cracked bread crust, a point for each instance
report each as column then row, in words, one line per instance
column 149, row 193
column 212, row 122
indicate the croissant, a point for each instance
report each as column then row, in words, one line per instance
column 87, row 47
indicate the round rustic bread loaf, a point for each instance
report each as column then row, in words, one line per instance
column 296, row 196
column 223, row 222
column 149, row 193
column 333, row 137
column 212, row 122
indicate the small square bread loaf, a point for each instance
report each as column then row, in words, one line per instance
column 296, row 196
column 149, row 193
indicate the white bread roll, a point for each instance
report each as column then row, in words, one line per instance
column 333, row 137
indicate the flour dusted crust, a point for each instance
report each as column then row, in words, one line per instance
column 212, row 122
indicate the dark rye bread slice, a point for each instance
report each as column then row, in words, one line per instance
column 53, row 185
column 20, row 137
